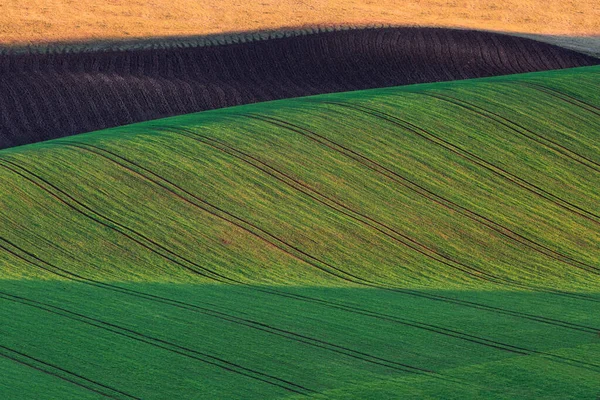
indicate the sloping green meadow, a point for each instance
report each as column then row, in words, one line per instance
column 438, row 240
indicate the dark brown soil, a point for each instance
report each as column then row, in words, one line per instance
column 46, row 96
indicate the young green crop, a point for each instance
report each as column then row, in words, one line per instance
column 435, row 240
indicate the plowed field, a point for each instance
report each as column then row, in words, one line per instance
column 45, row 96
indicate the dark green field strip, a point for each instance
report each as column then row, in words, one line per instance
column 37, row 262
column 219, row 362
column 224, row 316
column 267, row 352
column 564, row 313
column 136, row 314
column 190, row 331
column 402, row 321
column 164, row 344
column 426, row 327
column 61, row 373
column 19, row 381
column 333, row 305
column 340, row 306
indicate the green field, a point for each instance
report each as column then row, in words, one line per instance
column 438, row 240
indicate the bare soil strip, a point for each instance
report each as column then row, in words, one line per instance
column 45, row 96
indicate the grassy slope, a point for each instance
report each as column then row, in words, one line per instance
column 363, row 253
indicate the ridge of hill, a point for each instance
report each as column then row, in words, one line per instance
column 63, row 93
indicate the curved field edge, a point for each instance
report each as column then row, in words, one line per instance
column 52, row 95
column 496, row 180
column 588, row 44
column 216, row 341
column 434, row 240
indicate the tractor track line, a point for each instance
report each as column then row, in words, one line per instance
column 380, row 316
column 558, row 95
column 503, row 230
column 72, row 376
column 473, row 158
column 381, row 227
column 99, row 219
column 493, row 116
column 165, row 345
column 332, row 145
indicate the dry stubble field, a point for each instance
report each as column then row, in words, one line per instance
column 42, row 21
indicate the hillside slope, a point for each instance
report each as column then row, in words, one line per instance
column 430, row 240
column 45, row 96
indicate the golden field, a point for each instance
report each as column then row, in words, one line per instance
column 46, row 21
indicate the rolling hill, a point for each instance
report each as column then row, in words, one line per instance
column 434, row 240
column 73, row 90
